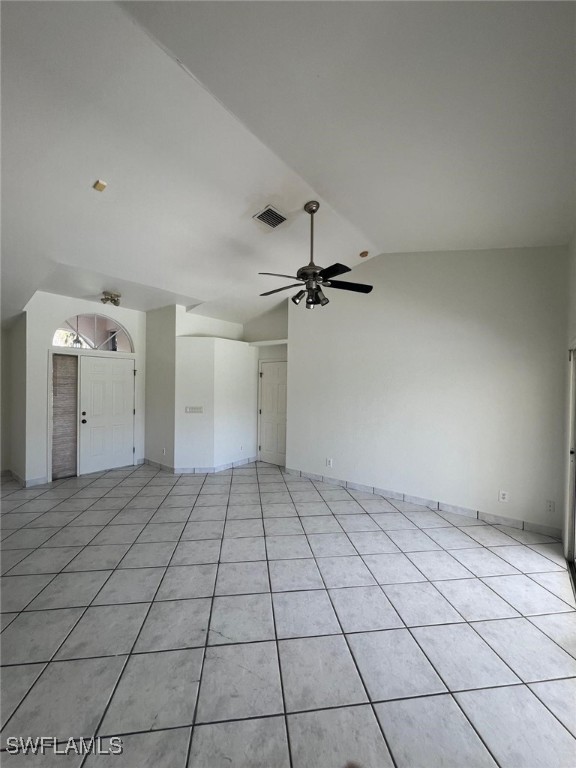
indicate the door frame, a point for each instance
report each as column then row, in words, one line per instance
column 570, row 511
column 50, row 412
column 260, row 363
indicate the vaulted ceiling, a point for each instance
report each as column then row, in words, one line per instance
column 419, row 126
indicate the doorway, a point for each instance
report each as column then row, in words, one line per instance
column 92, row 414
column 106, row 424
column 272, row 412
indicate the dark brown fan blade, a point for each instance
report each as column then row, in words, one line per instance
column 333, row 271
column 294, row 285
column 290, row 277
column 358, row 287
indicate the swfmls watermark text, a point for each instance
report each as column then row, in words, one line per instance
column 43, row 745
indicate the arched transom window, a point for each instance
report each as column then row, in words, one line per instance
column 93, row 332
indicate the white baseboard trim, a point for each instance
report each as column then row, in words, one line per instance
column 440, row 506
column 198, row 470
column 34, row 481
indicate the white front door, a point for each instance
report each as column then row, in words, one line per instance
column 272, row 436
column 106, row 413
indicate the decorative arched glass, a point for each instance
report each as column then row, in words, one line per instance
column 96, row 332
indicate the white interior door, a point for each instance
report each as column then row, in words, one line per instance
column 272, row 437
column 106, row 428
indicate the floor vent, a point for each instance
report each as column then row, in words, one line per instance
column 270, row 216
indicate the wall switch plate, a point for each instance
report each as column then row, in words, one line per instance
column 550, row 507
column 503, row 496
column 163, row 451
column 329, row 463
column 193, row 409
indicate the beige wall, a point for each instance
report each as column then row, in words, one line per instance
column 447, row 382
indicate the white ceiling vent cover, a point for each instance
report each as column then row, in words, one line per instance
column 270, row 216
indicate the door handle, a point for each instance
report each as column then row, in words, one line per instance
column 83, row 421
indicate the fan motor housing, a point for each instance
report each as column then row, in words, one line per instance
column 309, row 273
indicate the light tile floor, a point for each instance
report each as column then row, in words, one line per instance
column 252, row 619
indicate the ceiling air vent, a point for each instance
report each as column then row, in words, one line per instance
column 270, row 216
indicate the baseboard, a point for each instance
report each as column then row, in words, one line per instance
column 35, row 481
column 199, row 470
column 440, row 506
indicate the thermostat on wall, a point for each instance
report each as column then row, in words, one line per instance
column 193, row 409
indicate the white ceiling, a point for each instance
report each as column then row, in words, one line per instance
column 419, row 126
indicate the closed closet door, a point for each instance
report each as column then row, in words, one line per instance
column 272, row 436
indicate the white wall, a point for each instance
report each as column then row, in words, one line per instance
column 572, row 294
column 5, row 417
column 190, row 324
column 447, row 382
column 14, row 397
column 45, row 312
column 220, row 375
column 194, row 432
column 273, row 352
column 236, row 402
column 271, row 325
column 160, row 384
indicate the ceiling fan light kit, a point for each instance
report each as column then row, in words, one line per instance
column 109, row 297
column 312, row 279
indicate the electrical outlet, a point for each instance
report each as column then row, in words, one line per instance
column 163, row 451
column 329, row 463
column 550, row 507
column 503, row 496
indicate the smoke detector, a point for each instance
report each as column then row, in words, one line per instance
column 270, row 216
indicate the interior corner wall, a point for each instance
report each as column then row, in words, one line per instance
column 191, row 324
column 220, row 377
column 236, row 401
column 447, row 382
column 194, row 432
column 14, row 386
column 160, row 384
column 273, row 352
column 45, row 312
column 270, row 325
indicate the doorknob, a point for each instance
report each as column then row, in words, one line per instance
column 83, row 421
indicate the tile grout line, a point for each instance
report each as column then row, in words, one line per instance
column 353, row 658
column 314, row 557
column 205, row 647
column 276, row 641
column 52, row 658
column 130, row 655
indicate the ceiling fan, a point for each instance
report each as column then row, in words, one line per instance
column 312, row 279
